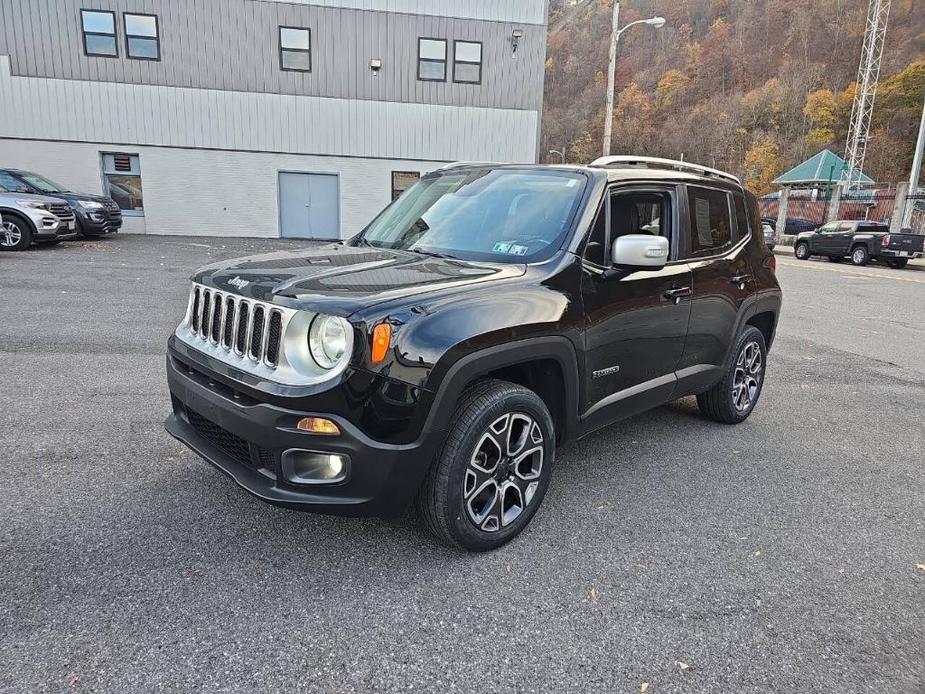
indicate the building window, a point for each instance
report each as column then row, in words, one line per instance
column 142, row 41
column 122, row 181
column 467, row 62
column 432, row 60
column 295, row 49
column 402, row 181
column 99, row 29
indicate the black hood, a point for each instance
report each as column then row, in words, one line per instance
column 342, row 279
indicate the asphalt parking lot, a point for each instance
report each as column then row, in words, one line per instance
column 783, row 555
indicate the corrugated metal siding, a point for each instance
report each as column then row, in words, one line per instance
column 182, row 117
column 233, row 45
column 523, row 11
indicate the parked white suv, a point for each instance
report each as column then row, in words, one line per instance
column 29, row 218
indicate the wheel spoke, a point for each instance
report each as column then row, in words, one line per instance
column 512, row 502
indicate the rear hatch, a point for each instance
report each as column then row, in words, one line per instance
column 905, row 243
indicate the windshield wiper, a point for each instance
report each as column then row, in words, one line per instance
column 431, row 254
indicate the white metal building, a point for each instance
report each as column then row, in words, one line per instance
column 261, row 117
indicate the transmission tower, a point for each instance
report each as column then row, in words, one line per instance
column 863, row 106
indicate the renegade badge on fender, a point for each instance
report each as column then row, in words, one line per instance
column 485, row 317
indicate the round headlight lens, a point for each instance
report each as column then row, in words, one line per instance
column 327, row 340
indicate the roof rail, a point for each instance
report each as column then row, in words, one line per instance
column 657, row 163
column 454, row 164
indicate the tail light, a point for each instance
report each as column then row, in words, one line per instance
column 885, row 241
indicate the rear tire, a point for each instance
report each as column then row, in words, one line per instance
column 898, row 264
column 15, row 234
column 477, row 496
column 732, row 399
column 801, row 251
column 860, row 256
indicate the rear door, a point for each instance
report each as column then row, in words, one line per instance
column 714, row 248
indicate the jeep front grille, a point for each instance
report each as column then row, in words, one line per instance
column 224, row 320
column 263, row 339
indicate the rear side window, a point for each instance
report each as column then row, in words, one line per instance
column 741, row 227
column 711, row 227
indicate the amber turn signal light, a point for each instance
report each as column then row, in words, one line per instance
column 318, row 425
column 382, row 336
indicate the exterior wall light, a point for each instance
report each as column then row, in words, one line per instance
column 516, row 36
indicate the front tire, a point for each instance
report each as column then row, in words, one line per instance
column 15, row 234
column 493, row 470
column 860, row 256
column 801, row 251
column 732, row 399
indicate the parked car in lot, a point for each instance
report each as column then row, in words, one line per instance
column 770, row 235
column 794, row 225
column 96, row 214
column 861, row 241
column 31, row 218
column 489, row 314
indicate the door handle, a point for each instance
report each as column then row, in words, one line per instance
column 740, row 279
column 676, row 294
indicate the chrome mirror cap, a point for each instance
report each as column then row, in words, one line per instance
column 640, row 251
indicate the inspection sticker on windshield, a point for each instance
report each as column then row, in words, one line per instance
column 509, row 248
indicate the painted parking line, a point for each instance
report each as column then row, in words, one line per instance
column 810, row 265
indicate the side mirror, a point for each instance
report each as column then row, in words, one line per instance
column 640, row 252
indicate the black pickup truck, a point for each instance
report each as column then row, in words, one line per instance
column 861, row 241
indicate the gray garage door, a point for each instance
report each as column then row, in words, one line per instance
column 309, row 206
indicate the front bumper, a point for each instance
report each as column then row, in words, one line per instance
column 245, row 438
column 98, row 223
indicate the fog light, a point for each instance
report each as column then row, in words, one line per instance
column 317, row 425
column 314, row 467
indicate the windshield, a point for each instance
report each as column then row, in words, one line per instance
column 502, row 215
column 42, row 183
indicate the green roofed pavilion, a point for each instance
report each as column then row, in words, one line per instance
column 823, row 169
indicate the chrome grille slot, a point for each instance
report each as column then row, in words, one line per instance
column 274, row 336
column 257, row 333
column 194, row 312
column 264, row 339
column 243, row 322
column 216, row 324
column 206, row 314
column 228, row 322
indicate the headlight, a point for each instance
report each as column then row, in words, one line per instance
column 327, row 340
column 32, row 203
column 90, row 204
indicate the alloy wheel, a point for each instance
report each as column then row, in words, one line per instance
column 858, row 256
column 747, row 378
column 503, row 473
column 10, row 235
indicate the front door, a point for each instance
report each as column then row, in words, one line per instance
column 635, row 324
column 722, row 280
column 309, row 206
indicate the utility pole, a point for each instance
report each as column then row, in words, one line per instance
column 611, row 76
column 916, row 171
column 863, row 106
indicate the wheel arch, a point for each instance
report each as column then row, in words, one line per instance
column 546, row 365
column 6, row 212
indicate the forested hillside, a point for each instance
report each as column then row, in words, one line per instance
column 752, row 86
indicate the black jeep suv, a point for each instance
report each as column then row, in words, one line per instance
column 96, row 214
column 486, row 316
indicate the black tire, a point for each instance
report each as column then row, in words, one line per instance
column 801, row 251
column 898, row 264
column 450, row 500
column 16, row 234
column 722, row 403
column 860, row 255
